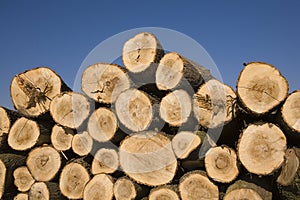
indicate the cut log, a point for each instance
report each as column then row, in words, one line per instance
column 33, row 90
column 105, row 161
column 221, row 164
column 141, row 55
column 261, row 148
column 70, row 109
column 102, row 125
column 26, row 133
column 73, row 178
column 7, row 118
column 45, row 191
column 126, row 189
column 99, row 187
column 103, row 82
column 23, row 179
column 21, row 196
column 289, row 168
column 8, row 163
column 148, row 158
column 184, row 142
column 289, row 118
column 164, row 192
column 261, row 87
column 134, row 110
column 245, row 190
column 43, row 163
column 175, row 108
column 61, row 138
column 195, row 185
column 82, row 143
column 214, row 104
column 174, row 70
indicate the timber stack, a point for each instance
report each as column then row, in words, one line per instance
column 159, row 127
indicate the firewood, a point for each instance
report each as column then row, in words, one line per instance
column 245, row 190
column 147, row 157
column 7, row 118
column 21, row 196
column 82, row 143
column 102, row 125
column 261, row 88
column 175, row 108
column 134, row 110
column 214, row 104
column 26, row 133
column 176, row 71
column 45, row 191
column 103, row 82
column 261, row 148
column 73, row 178
column 105, row 161
column 23, row 179
column 164, row 192
column 70, row 109
column 195, row 185
column 126, row 189
column 61, row 138
column 99, row 187
column 43, row 163
column 221, row 164
column 33, row 90
column 8, row 163
column 141, row 55
column 184, row 142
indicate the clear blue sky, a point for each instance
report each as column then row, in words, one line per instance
column 60, row 34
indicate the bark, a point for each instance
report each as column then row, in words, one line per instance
column 261, row 88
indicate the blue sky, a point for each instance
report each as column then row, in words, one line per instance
column 60, row 34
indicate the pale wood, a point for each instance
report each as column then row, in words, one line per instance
column 290, row 112
column 8, row 163
column 24, row 134
column 61, row 138
column 7, row 118
column 213, row 104
column 70, row 109
column 134, row 110
column 261, row 87
column 33, row 90
column 184, row 142
column 99, row 187
column 43, row 163
column 167, row 192
column 23, row 179
column 102, row 125
column 221, row 164
column 174, row 71
column 103, row 82
column 261, row 148
column 21, row 196
column 140, row 52
column 148, row 158
column 45, row 191
column 73, row 178
column 82, row 143
column 125, row 189
column 242, row 189
column 175, row 108
column 105, row 161
column 195, row 185
column 289, row 168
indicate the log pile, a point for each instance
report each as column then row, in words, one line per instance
column 143, row 140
